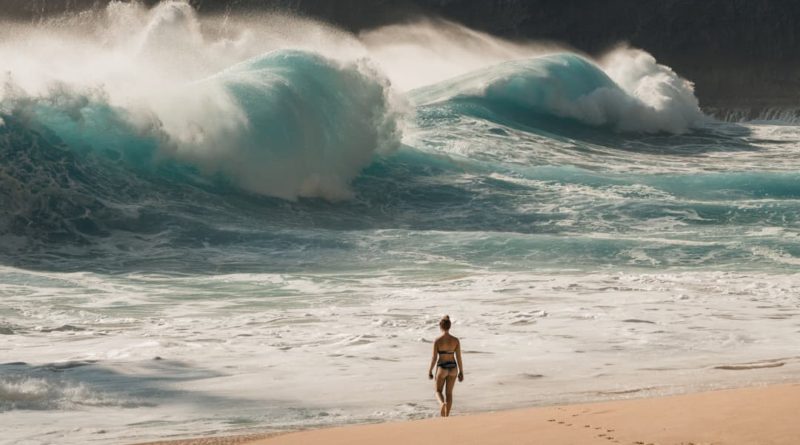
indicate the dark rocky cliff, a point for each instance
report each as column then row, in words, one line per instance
column 740, row 53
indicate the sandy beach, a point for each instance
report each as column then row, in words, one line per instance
column 747, row 416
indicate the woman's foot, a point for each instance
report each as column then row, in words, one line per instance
column 443, row 410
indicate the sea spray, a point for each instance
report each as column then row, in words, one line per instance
column 667, row 101
column 427, row 51
column 285, row 123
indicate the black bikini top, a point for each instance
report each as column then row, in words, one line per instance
column 446, row 352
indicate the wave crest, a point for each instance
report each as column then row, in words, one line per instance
column 632, row 94
column 289, row 124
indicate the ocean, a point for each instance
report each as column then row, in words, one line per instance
column 229, row 224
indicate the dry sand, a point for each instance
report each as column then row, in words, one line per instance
column 758, row 416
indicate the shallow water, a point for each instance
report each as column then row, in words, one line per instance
column 145, row 355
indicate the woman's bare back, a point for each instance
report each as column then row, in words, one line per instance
column 447, row 345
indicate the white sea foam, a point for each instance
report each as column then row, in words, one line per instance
column 257, row 356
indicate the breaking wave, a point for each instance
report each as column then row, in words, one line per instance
column 635, row 95
column 287, row 139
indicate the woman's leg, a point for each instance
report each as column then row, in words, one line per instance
column 450, row 383
column 441, row 375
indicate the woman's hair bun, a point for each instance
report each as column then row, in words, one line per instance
column 444, row 323
column 446, row 317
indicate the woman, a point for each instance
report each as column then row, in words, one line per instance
column 447, row 358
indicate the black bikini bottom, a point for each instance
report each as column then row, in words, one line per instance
column 448, row 365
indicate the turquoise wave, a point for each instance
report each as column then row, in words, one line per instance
column 291, row 163
column 556, row 92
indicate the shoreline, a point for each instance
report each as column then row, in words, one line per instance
column 755, row 415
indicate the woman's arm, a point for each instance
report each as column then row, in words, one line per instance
column 460, row 362
column 433, row 361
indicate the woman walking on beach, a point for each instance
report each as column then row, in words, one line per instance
column 447, row 358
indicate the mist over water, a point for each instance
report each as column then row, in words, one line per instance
column 259, row 200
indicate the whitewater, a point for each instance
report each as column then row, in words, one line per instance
column 228, row 224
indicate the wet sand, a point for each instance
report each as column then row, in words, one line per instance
column 747, row 416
